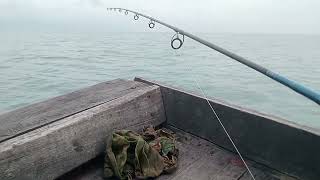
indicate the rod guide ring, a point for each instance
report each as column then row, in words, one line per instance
column 152, row 24
column 176, row 39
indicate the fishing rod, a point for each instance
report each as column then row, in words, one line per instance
column 295, row 86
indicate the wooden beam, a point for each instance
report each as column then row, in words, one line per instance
column 28, row 118
column 54, row 149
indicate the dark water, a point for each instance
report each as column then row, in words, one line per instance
column 37, row 66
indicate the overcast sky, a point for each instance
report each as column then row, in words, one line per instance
column 214, row 16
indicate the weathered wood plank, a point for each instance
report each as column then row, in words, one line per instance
column 25, row 119
column 52, row 150
column 92, row 170
column 275, row 142
column 232, row 171
column 198, row 159
column 263, row 173
column 206, row 167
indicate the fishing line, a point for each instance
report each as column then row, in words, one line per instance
column 177, row 38
column 177, row 42
column 197, row 86
column 219, row 120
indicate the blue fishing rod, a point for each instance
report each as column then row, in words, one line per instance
column 295, row 86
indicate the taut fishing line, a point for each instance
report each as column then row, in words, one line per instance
column 178, row 37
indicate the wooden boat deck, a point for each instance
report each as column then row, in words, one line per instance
column 198, row 159
column 67, row 134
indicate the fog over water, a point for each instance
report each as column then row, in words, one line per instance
column 212, row 16
column 51, row 47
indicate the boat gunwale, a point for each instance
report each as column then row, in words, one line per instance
column 273, row 118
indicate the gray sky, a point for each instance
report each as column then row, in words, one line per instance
column 214, row 16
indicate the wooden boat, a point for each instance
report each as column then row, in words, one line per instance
column 65, row 137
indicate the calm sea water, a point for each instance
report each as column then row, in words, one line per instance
column 37, row 66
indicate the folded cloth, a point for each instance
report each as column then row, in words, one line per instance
column 130, row 155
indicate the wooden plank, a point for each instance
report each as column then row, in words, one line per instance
column 92, row 170
column 191, row 152
column 25, row 119
column 198, row 159
column 206, row 167
column 272, row 141
column 204, row 160
column 263, row 173
column 54, row 149
column 232, row 171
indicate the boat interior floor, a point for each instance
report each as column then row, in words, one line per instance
column 198, row 159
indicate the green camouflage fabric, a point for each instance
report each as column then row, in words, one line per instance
column 131, row 155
